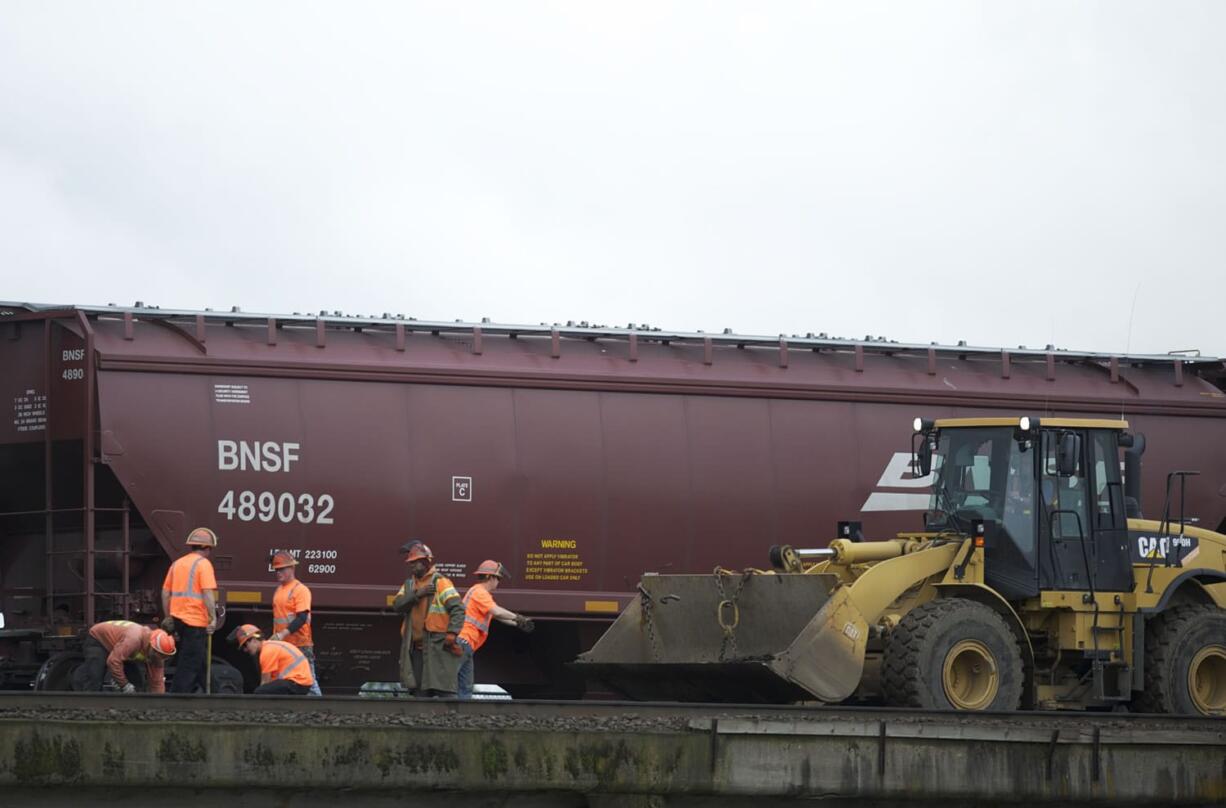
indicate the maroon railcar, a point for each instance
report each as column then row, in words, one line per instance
column 578, row 456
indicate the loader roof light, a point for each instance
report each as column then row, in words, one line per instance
column 1023, row 423
column 922, row 425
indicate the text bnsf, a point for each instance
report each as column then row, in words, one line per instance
column 242, row 455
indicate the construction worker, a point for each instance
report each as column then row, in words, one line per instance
column 479, row 609
column 189, row 603
column 291, row 612
column 434, row 614
column 284, row 670
column 116, row 645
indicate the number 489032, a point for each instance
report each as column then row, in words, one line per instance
column 266, row 506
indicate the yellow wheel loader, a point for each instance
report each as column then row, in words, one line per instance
column 1034, row 584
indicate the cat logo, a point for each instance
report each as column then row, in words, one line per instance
column 1159, row 547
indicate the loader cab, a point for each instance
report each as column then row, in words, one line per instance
column 1048, row 493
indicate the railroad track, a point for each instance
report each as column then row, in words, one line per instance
column 260, row 708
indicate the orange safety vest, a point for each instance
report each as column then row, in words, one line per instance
column 285, row 609
column 477, row 613
column 283, row 661
column 186, row 581
column 436, row 616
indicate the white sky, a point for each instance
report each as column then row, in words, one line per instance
column 1004, row 173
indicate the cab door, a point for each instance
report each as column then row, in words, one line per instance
column 1109, row 522
column 1066, row 548
column 1083, row 529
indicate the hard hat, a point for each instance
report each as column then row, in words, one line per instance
column 202, row 537
column 491, row 567
column 245, row 632
column 282, row 560
column 418, row 550
column 162, row 642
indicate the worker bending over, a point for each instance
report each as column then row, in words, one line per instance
column 434, row 614
column 114, row 645
column 291, row 612
column 479, row 609
column 284, row 670
column 189, row 603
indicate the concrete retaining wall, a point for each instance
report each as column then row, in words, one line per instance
column 707, row 761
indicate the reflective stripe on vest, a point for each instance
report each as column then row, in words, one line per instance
column 439, row 604
column 437, row 616
column 484, row 628
column 285, row 621
column 191, row 583
column 300, row 657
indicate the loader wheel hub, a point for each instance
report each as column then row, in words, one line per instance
column 970, row 676
column 1207, row 679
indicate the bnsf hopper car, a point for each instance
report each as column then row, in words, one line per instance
column 578, row 456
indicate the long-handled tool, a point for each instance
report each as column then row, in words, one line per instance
column 208, row 667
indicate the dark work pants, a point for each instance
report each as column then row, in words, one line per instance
column 91, row 674
column 189, row 670
column 282, row 687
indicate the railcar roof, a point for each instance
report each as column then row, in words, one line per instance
column 584, row 330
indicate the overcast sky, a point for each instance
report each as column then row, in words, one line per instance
column 1003, row 173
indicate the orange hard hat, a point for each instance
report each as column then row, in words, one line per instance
column 244, row 633
column 491, row 567
column 282, row 560
column 162, row 642
column 417, row 551
column 202, row 537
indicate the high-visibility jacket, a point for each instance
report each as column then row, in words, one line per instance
column 443, row 613
column 129, row 642
column 290, row 600
column 280, row 660
column 186, row 581
column 478, row 608
column 438, row 615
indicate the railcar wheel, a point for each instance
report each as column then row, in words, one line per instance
column 953, row 654
column 57, row 673
column 226, row 679
column 1185, row 662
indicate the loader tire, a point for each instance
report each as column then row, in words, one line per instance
column 953, row 654
column 1185, row 662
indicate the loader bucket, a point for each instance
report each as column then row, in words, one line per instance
column 668, row 644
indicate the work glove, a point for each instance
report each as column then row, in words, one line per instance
column 426, row 591
column 524, row 624
column 168, row 625
column 128, row 688
column 451, row 645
